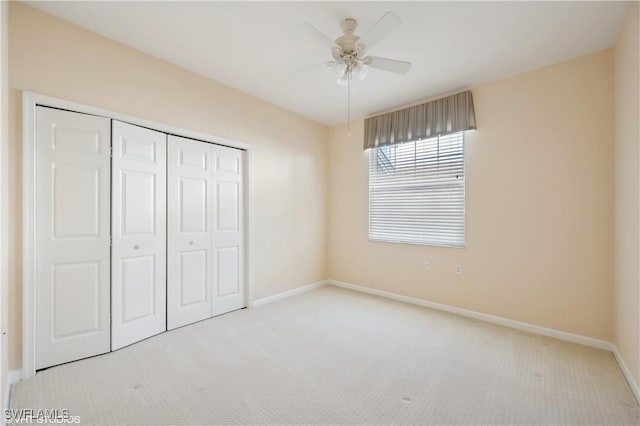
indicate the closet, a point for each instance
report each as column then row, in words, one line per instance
column 136, row 232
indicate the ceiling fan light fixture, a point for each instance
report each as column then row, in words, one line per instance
column 343, row 79
column 339, row 68
column 362, row 70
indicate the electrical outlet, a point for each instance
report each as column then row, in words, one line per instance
column 458, row 269
column 427, row 264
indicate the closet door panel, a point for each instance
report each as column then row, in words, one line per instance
column 72, row 236
column 139, row 234
column 190, row 189
column 228, row 235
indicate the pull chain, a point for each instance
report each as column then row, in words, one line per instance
column 349, row 101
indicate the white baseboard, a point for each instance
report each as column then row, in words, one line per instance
column 549, row 332
column 627, row 373
column 287, row 293
column 13, row 376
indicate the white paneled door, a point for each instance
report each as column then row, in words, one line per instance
column 206, row 236
column 228, row 289
column 189, row 226
column 138, row 285
column 72, row 236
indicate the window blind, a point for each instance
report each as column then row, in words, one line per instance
column 416, row 192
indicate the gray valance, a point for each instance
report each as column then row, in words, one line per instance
column 451, row 114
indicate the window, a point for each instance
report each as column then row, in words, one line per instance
column 416, row 192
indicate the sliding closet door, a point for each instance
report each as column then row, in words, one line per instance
column 72, row 236
column 189, row 195
column 228, row 230
column 138, row 287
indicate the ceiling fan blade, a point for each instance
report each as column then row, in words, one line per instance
column 304, row 70
column 389, row 22
column 315, row 34
column 386, row 64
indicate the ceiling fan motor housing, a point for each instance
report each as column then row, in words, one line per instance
column 350, row 49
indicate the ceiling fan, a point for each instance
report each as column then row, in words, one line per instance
column 349, row 50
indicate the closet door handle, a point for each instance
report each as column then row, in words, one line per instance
column 136, row 247
column 191, row 243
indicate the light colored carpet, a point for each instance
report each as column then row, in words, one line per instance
column 332, row 356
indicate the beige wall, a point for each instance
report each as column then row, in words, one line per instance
column 627, row 189
column 538, row 206
column 56, row 58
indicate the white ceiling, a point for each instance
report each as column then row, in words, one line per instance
column 254, row 46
